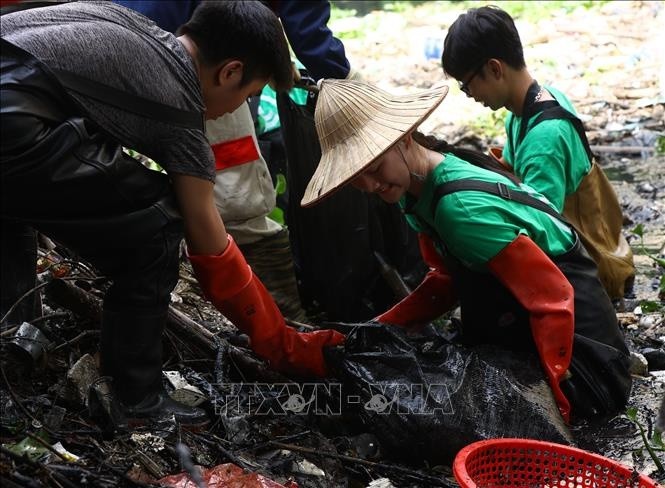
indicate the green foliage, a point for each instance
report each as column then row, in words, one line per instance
column 280, row 185
column 277, row 213
column 490, row 125
column 649, row 306
column 639, row 231
column 652, row 445
column 398, row 7
column 535, row 11
column 660, row 145
column 337, row 13
column 524, row 9
column 657, row 440
column 354, row 28
column 363, row 7
column 144, row 160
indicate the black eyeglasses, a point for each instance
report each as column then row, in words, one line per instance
column 464, row 86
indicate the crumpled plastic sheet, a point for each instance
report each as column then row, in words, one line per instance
column 425, row 398
column 224, row 476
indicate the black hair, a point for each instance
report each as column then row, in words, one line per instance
column 478, row 35
column 472, row 156
column 247, row 31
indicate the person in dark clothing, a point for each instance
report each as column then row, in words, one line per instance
column 71, row 99
column 305, row 25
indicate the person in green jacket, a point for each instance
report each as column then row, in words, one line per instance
column 497, row 246
column 546, row 146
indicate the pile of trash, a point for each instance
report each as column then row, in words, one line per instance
column 397, row 408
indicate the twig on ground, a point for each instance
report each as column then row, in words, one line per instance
column 19, row 403
column 389, row 467
column 46, row 445
column 230, row 455
column 82, row 335
column 38, row 287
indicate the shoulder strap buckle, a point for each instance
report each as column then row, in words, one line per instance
column 504, row 191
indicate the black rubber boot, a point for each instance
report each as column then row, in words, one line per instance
column 105, row 409
column 132, row 355
column 161, row 405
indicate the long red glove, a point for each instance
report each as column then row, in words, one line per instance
column 433, row 297
column 541, row 288
column 229, row 283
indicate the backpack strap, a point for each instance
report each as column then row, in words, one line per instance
column 530, row 108
column 498, row 189
column 129, row 102
column 549, row 110
column 113, row 96
column 558, row 112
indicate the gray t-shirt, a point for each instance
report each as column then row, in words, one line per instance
column 121, row 48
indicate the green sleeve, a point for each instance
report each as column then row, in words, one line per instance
column 551, row 159
column 473, row 231
column 541, row 162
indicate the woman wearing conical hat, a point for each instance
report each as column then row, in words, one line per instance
column 495, row 246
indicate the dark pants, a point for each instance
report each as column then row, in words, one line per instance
column 600, row 382
column 62, row 176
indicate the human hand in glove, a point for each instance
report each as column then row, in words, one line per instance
column 228, row 281
column 433, row 297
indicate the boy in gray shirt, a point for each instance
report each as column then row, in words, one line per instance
column 71, row 98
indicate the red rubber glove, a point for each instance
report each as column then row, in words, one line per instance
column 229, row 283
column 540, row 286
column 433, row 297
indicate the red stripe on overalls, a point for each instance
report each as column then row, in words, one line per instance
column 236, row 152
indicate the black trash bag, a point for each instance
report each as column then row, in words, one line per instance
column 425, row 398
column 334, row 243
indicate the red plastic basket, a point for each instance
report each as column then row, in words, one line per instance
column 522, row 463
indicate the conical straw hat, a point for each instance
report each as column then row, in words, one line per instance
column 356, row 123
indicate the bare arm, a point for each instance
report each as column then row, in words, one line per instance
column 204, row 230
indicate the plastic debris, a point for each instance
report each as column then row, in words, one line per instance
column 381, row 483
column 307, row 468
column 29, row 342
column 425, row 398
column 147, row 440
column 66, row 455
column 184, row 392
column 33, row 449
column 224, row 476
column 79, row 378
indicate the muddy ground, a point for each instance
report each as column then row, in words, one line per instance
column 608, row 59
